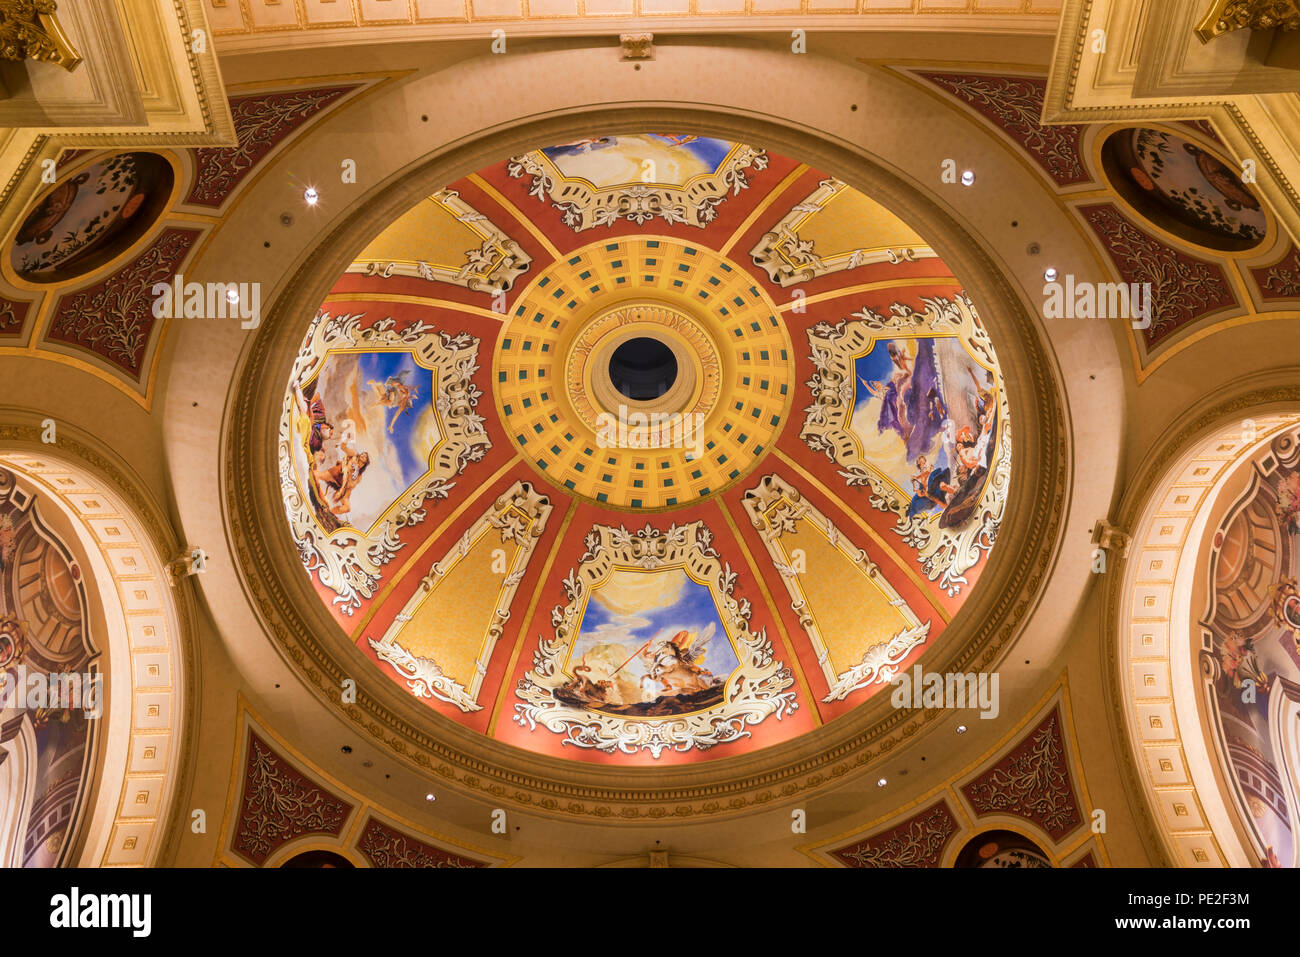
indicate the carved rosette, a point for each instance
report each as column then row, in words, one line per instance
column 755, row 691
column 518, row 518
column 349, row 562
column 789, row 259
column 775, row 507
column 583, row 206
column 945, row 554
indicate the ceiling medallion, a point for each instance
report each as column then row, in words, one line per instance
column 734, row 379
column 695, row 388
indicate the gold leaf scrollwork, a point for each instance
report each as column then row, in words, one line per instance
column 30, row 30
column 1227, row 16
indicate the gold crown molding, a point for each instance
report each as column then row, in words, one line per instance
column 1268, row 391
column 313, row 645
column 93, row 459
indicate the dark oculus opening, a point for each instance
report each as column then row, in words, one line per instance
column 642, row 368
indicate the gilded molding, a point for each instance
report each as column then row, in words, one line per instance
column 1226, row 16
column 30, row 30
column 311, row 643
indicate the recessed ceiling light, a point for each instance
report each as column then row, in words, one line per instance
column 232, row 295
column 881, row 783
column 430, row 797
column 310, row 195
column 961, row 729
column 968, row 177
column 1050, row 274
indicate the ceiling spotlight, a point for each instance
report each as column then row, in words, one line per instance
column 961, row 729
column 430, row 797
column 1050, row 274
column 881, row 783
column 310, row 195
column 232, row 295
column 968, row 177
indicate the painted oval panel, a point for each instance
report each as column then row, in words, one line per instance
column 1184, row 189
column 91, row 216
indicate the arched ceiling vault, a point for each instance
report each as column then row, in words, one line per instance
column 560, row 132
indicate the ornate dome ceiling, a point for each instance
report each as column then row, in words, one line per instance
column 645, row 449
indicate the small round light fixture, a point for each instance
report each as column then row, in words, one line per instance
column 1050, row 274
column 430, row 798
column 310, row 196
column 232, row 295
column 961, row 729
column 881, row 783
column 968, row 177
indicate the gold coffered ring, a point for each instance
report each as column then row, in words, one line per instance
column 551, row 371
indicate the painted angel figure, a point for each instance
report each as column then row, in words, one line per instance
column 395, row 394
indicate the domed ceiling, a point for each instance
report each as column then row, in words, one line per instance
column 645, row 449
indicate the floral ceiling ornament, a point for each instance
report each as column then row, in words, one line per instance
column 556, row 694
column 280, row 804
column 945, row 551
column 346, row 560
column 917, row 842
column 30, row 30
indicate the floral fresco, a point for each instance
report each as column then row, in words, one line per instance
column 1184, row 189
column 91, row 216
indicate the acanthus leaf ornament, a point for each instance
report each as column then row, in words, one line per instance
column 30, row 30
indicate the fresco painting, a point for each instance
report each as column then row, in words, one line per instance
column 650, row 644
column 1184, row 189
column 924, row 413
column 91, row 217
column 666, row 158
column 1256, row 635
column 367, row 429
column 43, row 748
